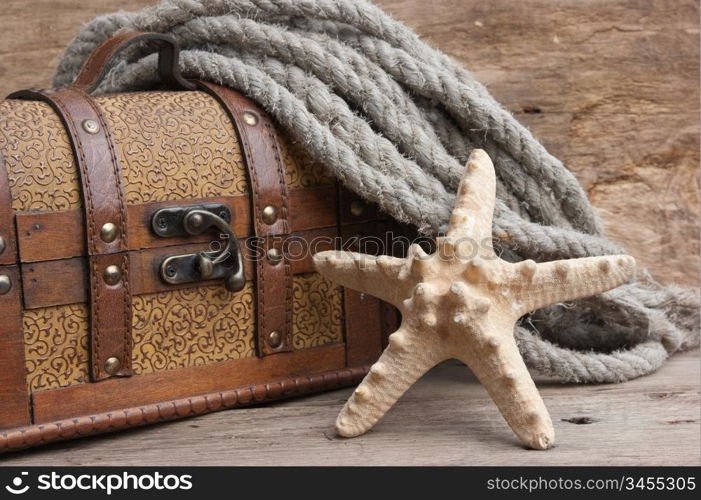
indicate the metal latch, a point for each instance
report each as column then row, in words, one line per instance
column 224, row 261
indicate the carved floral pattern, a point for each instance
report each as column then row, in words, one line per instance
column 38, row 157
column 301, row 171
column 176, row 329
column 317, row 312
column 174, row 145
column 56, row 346
column 192, row 327
column 171, row 146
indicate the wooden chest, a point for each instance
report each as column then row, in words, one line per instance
column 155, row 259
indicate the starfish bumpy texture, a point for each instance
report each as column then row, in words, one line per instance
column 462, row 302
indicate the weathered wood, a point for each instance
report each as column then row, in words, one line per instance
column 446, row 419
column 34, row 36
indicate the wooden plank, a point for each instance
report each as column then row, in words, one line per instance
column 138, row 390
column 50, row 236
column 60, row 235
column 446, row 419
column 43, row 282
column 34, row 37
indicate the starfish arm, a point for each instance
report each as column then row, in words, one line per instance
column 563, row 280
column 389, row 378
column 361, row 272
column 500, row 368
column 474, row 205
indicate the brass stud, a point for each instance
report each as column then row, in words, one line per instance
column 91, row 126
column 3, row 245
column 109, row 232
column 274, row 256
column 269, row 215
column 112, row 365
column 250, row 118
column 357, row 208
column 112, row 275
column 5, row 284
column 275, row 339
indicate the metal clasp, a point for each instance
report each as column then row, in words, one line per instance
column 225, row 262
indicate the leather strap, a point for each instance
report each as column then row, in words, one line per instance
column 14, row 398
column 8, row 235
column 99, row 63
column 104, row 208
column 266, row 172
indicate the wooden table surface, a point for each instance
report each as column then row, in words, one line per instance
column 445, row 419
column 612, row 88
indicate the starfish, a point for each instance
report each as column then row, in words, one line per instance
column 462, row 302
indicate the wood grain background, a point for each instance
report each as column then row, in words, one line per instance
column 610, row 86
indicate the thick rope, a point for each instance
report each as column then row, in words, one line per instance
column 395, row 120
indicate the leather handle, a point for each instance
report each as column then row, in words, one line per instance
column 100, row 61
